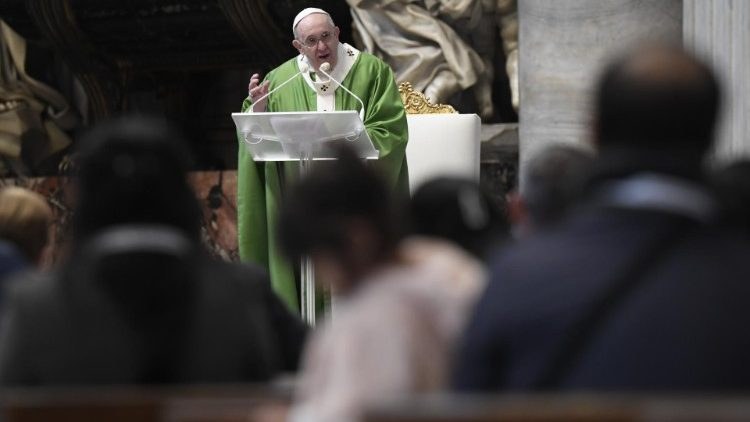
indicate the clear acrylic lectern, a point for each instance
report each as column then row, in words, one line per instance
column 303, row 137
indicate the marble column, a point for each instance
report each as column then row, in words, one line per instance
column 719, row 31
column 563, row 45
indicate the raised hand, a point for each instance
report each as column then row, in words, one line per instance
column 256, row 90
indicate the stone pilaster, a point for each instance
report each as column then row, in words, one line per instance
column 563, row 45
column 719, row 31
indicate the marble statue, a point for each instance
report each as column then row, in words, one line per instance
column 441, row 46
column 33, row 115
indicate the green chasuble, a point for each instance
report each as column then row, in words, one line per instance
column 260, row 185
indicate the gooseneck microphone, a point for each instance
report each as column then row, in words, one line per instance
column 324, row 69
column 303, row 67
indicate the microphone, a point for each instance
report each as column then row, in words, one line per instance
column 324, row 69
column 303, row 67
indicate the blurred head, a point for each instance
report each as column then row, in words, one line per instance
column 457, row 210
column 553, row 181
column 342, row 216
column 659, row 99
column 316, row 37
column 25, row 221
column 132, row 170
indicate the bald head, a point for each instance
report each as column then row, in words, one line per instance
column 657, row 97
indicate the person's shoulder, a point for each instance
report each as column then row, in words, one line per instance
column 443, row 266
column 31, row 288
column 288, row 67
column 234, row 277
column 11, row 260
column 370, row 60
column 374, row 312
column 391, row 295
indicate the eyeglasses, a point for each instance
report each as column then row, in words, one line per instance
column 312, row 42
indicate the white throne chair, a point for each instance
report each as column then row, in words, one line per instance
column 442, row 142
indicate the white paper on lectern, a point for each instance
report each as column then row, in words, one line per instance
column 290, row 136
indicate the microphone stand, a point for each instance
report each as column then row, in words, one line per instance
column 303, row 68
column 324, row 69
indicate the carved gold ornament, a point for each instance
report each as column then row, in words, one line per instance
column 416, row 102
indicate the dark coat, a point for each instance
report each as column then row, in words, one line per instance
column 224, row 325
column 681, row 324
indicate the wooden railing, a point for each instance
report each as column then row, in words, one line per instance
column 264, row 404
column 131, row 404
column 565, row 408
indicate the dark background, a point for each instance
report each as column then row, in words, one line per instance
column 186, row 60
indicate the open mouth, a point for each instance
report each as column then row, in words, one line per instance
column 324, row 56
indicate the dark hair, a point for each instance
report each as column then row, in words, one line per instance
column 553, row 180
column 458, row 210
column 137, row 232
column 317, row 208
column 133, row 170
column 657, row 97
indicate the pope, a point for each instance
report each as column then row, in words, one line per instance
column 260, row 185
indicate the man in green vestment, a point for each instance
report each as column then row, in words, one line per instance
column 260, row 185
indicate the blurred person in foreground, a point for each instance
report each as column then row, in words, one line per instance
column 11, row 261
column 553, row 182
column 139, row 302
column 640, row 289
column 400, row 303
column 25, row 221
column 460, row 211
column 732, row 185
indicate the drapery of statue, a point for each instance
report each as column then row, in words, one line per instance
column 442, row 47
column 33, row 115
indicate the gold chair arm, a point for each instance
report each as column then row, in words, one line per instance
column 417, row 103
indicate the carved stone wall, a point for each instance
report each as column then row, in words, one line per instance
column 216, row 191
